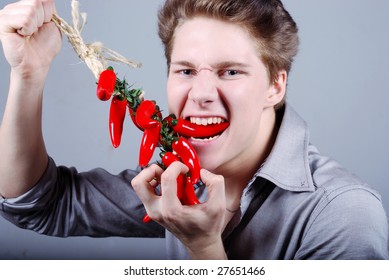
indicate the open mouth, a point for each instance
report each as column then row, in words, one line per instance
column 206, row 129
column 198, row 128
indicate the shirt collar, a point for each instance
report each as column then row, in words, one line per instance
column 287, row 165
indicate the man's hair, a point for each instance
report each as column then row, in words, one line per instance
column 267, row 21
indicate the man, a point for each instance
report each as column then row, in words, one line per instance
column 308, row 206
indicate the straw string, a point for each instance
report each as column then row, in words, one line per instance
column 95, row 55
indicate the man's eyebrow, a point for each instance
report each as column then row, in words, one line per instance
column 184, row 63
column 231, row 64
column 219, row 65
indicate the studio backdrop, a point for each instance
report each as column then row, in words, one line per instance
column 338, row 84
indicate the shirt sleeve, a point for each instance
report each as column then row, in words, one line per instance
column 67, row 203
column 351, row 224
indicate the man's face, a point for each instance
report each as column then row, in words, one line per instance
column 216, row 73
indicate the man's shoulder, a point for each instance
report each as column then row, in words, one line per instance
column 333, row 179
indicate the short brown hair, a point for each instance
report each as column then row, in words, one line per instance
column 266, row 20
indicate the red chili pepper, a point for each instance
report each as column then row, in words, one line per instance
column 149, row 142
column 189, row 157
column 187, row 129
column 167, row 159
column 133, row 118
column 145, row 114
column 117, row 113
column 146, row 219
column 106, row 84
column 190, row 195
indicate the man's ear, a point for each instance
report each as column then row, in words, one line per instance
column 277, row 90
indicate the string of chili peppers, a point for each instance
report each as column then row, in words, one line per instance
column 169, row 133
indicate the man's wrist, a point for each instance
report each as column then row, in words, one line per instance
column 31, row 80
column 213, row 251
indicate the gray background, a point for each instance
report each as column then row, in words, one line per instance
column 338, row 84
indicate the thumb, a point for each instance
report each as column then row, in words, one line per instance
column 49, row 9
column 215, row 184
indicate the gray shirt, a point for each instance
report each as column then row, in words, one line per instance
column 318, row 210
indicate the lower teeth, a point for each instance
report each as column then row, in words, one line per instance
column 205, row 139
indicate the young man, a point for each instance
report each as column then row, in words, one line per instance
column 268, row 193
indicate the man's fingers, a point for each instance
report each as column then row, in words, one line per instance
column 31, row 15
column 48, row 10
column 26, row 17
column 169, row 182
column 215, row 184
column 145, row 183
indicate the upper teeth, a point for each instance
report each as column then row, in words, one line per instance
column 206, row 121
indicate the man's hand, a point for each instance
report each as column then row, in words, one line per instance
column 199, row 227
column 30, row 40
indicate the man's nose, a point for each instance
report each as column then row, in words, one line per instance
column 204, row 87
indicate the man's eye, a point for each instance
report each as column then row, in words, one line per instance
column 186, row 72
column 230, row 72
